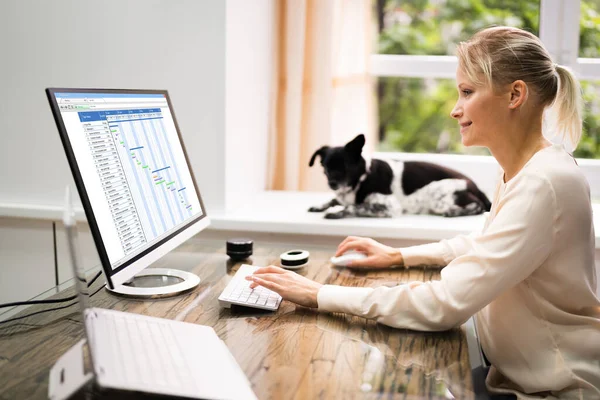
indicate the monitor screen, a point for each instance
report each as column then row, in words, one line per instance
column 131, row 170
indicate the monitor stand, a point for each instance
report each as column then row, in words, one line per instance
column 155, row 283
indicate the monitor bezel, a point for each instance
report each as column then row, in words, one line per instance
column 122, row 274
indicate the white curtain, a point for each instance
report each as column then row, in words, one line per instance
column 322, row 91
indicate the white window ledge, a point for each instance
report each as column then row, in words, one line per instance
column 286, row 213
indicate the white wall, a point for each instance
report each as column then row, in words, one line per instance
column 178, row 45
column 26, row 258
column 249, row 69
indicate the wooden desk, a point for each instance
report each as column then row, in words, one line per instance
column 295, row 353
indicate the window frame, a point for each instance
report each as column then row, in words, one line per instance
column 559, row 31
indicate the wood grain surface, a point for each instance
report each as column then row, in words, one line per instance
column 294, row 353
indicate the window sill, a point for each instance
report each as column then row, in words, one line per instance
column 286, row 212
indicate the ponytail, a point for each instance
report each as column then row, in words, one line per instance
column 568, row 107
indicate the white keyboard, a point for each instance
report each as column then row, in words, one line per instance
column 144, row 351
column 238, row 292
column 154, row 355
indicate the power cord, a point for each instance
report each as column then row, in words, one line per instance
column 94, row 278
column 48, row 301
column 55, row 308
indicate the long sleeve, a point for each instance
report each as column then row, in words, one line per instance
column 439, row 253
column 446, row 250
column 517, row 240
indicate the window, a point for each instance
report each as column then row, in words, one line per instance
column 415, row 66
column 422, row 106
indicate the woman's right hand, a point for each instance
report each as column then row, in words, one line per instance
column 378, row 255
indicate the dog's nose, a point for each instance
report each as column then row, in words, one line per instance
column 333, row 185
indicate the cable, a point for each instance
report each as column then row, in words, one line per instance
column 100, row 288
column 94, row 278
column 37, row 312
column 48, row 301
column 30, row 302
column 43, row 311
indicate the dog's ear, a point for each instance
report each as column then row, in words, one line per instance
column 354, row 147
column 321, row 152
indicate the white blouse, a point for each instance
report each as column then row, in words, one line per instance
column 529, row 276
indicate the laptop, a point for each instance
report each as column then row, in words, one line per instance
column 135, row 353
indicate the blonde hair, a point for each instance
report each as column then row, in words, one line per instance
column 502, row 55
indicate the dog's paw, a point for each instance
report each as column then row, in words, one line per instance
column 454, row 212
column 323, row 207
column 335, row 215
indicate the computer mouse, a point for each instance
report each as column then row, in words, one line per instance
column 344, row 259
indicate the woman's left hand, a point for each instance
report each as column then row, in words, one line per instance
column 288, row 284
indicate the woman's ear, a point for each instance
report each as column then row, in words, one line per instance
column 518, row 94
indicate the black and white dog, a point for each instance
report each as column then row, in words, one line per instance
column 378, row 188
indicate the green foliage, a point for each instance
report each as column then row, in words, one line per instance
column 414, row 113
column 589, row 34
column 589, row 146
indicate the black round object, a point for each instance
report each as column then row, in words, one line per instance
column 294, row 259
column 239, row 248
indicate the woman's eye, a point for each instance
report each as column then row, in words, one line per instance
column 466, row 92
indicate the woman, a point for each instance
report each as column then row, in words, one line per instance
column 529, row 275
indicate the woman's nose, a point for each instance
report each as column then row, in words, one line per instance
column 456, row 112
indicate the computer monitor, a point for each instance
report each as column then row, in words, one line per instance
column 134, row 180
